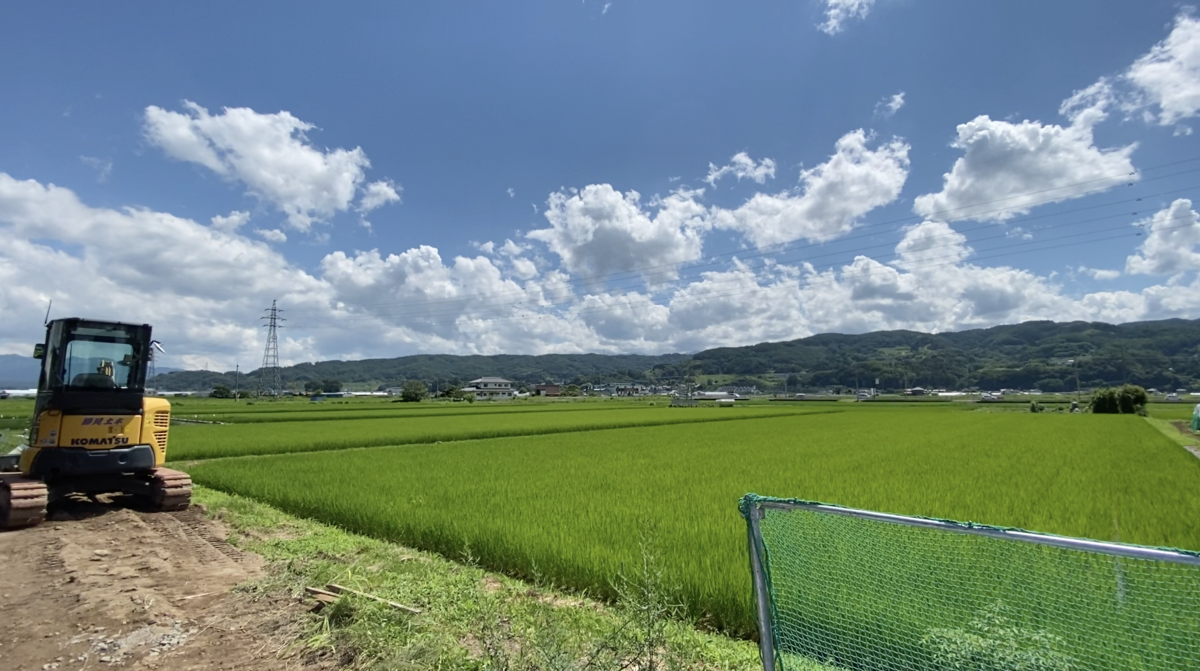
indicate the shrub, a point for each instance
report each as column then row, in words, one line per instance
column 1128, row 399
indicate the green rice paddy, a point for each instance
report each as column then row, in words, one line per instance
column 188, row 442
column 575, row 507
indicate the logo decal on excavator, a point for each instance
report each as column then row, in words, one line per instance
column 102, row 421
column 111, row 440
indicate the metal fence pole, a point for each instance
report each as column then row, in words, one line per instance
column 766, row 635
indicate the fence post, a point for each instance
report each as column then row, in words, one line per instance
column 762, row 594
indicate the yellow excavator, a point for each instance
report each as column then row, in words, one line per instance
column 94, row 429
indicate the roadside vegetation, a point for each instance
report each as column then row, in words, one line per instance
column 471, row 619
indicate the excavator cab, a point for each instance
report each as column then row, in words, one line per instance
column 94, row 429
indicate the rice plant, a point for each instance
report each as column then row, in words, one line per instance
column 573, row 507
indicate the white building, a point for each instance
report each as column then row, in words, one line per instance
column 489, row 388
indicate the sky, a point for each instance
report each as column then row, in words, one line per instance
column 615, row 176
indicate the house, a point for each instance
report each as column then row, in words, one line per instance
column 547, row 390
column 489, row 388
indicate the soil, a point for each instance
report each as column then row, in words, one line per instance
column 101, row 585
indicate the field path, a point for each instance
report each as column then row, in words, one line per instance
column 100, row 585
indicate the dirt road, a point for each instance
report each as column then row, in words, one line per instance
column 101, row 586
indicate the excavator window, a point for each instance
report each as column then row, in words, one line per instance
column 89, row 356
column 99, row 359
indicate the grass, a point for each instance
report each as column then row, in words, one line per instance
column 465, row 609
column 189, row 442
column 572, row 507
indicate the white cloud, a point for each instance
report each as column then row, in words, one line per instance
column 202, row 288
column 743, row 167
column 931, row 243
column 269, row 154
column 1099, row 273
column 271, row 234
column 887, row 107
column 838, row 12
column 1172, row 235
column 833, row 196
column 606, row 6
column 378, row 194
column 230, row 222
column 598, row 231
column 510, row 248
column 524, row 268
column 102, row 166
column 511, row 192
column 1008, row 168
column 1168, row 76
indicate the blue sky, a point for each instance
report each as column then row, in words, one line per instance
column 534, row 177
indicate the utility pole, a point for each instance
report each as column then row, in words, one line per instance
column 271, row 353
column 236, row 369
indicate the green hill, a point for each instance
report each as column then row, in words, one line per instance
column 1046, row 355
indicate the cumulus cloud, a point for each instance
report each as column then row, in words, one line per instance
column 1162, row 86
column 1168, row 76
column 230, row 222
column 1170, row 245
column 378, row 194
column 201, row 287
column 742, row 167
column 930, row 243
column 1008, row 168
column 204, row 285
column 832, row 196
column 271, row 234
column 598, row 231
column 889, row 106
column 271, row 155
column 839, row 12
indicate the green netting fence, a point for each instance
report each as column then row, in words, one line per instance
column 856, row 589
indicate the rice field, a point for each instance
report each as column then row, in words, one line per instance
column 575, row 507
column 188, row 442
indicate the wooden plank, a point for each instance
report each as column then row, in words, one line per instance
column 321, row 595
column 398, row 606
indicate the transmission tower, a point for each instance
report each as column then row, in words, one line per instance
column 270, row 362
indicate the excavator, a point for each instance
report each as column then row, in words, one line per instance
column 94, row 428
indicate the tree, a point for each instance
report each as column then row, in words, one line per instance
column 331, row 386
column 571, row 390
column 312, row 386
column 221, row 391
column 413, row 391
column 1128, row 399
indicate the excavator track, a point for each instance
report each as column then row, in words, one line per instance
column 23, row 501
column 170, row 489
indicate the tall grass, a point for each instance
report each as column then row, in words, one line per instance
column 573, row 507
column 211, row 441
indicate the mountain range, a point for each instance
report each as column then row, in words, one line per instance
column 1048, row 355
